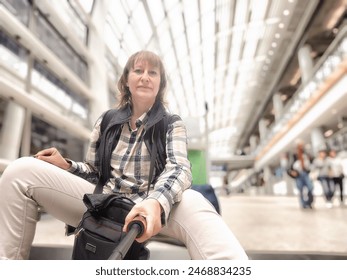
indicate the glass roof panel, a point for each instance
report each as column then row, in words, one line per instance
column 170, row 4
column 181, row 46
column 163, row 32
column 132, row 42
column 193, row 34
column 156, row 11
column 213, row 51
column 191, row 11
column 118, row 14
column 170, row 61
column 87, row 5
column 144, row 30
column 176, row 22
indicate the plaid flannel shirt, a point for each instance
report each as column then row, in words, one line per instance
column 130, row 165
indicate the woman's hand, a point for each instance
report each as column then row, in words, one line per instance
column 52, row 155
column 150, row 210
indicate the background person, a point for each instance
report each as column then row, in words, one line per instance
column 303, row 182
column 320, row 164
column 336, row 174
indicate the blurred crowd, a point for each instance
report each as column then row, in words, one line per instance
column 326, row 167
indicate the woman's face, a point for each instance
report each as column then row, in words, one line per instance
column 143, row 82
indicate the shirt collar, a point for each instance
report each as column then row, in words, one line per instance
column 142, row 120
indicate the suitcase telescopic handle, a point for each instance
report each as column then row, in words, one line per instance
column 139, row 223
column 135, row 229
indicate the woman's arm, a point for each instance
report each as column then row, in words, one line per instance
column 86, row 169
column 177, row 175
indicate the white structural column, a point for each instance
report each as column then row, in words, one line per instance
column 253, row 142
column 11, row 132
column 268, row 180
column 97, row 67
column 263, row 129
column 278, row 105
column 317, row 140
column 305, row 63
column 27, row 128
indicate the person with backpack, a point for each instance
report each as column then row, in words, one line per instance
column 120, row 150
column 302, row 166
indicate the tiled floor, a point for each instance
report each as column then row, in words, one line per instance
column 278, row 224
column 263, row 224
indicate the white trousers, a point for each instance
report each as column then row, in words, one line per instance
column 29, row 183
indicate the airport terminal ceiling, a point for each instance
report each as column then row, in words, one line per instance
column 225, row 60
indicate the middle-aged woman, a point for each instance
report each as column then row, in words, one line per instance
column 171, row 208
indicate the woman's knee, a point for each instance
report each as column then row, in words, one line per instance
column 20, row 170
column 194, row 202
column 188, row 213
column 20, row 166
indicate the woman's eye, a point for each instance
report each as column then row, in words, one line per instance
column 138, row 71
column 153, row 73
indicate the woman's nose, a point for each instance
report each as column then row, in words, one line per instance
column 145, row 76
